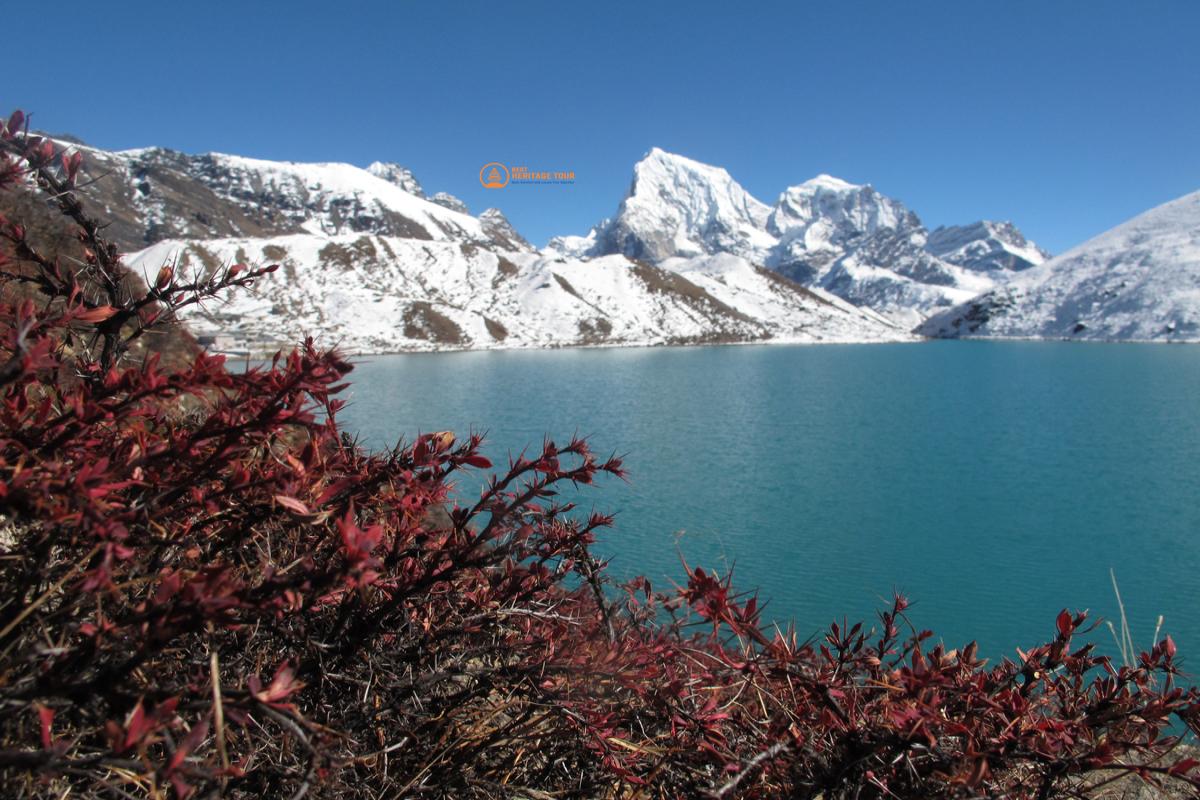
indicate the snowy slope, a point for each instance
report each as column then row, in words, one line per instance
column 826, row 233
column 332, row 198
column 153, row 194
column 1139, row 281
column 372, row 294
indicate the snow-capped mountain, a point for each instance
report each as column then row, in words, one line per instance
column 398, row 175
column 152, row 194
column 677, row 207
column 1139, row 281
column 847, row 239
column 500, row 231
column 680, row 207
column 371, row 263
column 451, row 202
column 828, row 215
column 986, row 247
column 371, row 293
column 865, row 247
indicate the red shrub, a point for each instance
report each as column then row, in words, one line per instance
column 208, row 588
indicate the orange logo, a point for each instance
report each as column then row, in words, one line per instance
column 494, row 175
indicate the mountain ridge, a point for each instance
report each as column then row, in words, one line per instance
column 846, row 238
column 689, row 257
column 1138, row 281
column 372, row 264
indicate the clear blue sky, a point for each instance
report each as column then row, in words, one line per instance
column 1066, row 117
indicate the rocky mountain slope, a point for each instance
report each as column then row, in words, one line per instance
column 372, row 263
column 1139, row 281
column 826, row 233
column 373, row 293
column 152, row 194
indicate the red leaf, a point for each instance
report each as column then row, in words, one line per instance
column 359, row 543
column 16, row 121
column 190, row 742
column 46, row 717
column 137, row 725
column 292, row 504
column 98, row 314
column 164, row 277
column 1065, row 625
column 283, row 684
column 182, row 788
column 478, row 461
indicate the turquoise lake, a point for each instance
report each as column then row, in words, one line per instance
column 994, row 483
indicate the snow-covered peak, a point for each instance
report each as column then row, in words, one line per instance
column 1137, row 281
column 447, row 200
column 825, row 182
column 501, row 231
column 986, row 246
column 702, row 191
column 680, row 207
column 574, row 246
column 826, row 213
column 826, row 233
column 398, row 175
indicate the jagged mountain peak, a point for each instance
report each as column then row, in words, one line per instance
column 501, row 231
column 398, row 175
column 677, row 206
column 986, row 246
column 658, row 159
column 824, row 218
column 826, row 182
column 1004, row 230
column 841, row 210
column 677, row 178
column 826, row 232
column 447, row 200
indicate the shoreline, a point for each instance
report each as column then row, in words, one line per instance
column 773, row 342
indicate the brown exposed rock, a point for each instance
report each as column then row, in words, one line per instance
column 423, row 322
column 495, row 329
column 662, row 281
column 594, row 331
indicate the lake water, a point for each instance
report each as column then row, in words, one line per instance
column 993, row 482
